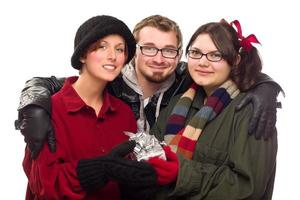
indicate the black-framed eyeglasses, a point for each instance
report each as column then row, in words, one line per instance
column 214, row 56
column 152, row 51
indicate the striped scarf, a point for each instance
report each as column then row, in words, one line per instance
column 183, row 139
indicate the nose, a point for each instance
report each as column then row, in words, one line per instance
column 203, row 61
column 111, row 54
column 158, row 57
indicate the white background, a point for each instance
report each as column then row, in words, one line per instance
column 36, row 39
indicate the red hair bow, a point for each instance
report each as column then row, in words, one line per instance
column 245, row 41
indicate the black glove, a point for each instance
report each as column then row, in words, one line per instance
column 129, row 192
column 35, row 124
column 264, row 100
column 94, row 173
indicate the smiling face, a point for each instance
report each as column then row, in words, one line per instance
column 206, row 73
column 156, row 68
column 105, row 58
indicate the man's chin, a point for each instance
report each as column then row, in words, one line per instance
column 156, row 78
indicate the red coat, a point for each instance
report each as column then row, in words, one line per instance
column 79, row 134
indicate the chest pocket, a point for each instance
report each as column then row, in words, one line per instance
column 211, row 155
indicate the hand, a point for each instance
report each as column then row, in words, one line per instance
column 94, row 173
column 264, row 100
column 35, row 125
column 167, row 171
column 137, row 180
column 130, row 172
column 122, row 150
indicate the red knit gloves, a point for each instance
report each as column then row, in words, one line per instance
column 167, row 171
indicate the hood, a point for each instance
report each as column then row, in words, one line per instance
column 129, row 77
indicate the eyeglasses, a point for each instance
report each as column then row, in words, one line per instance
column 214, row 56
column 152, row 51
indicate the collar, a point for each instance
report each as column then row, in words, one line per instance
column 74, row 103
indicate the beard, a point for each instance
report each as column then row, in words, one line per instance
column 156, row 77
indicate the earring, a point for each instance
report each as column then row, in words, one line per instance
column 82, row 60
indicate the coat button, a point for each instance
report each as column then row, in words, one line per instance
column 102, row 149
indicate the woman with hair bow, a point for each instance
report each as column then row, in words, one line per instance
column 214, row 156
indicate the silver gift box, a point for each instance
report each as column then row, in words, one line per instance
column 147, row 146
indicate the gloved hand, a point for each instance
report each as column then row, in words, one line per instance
column 94, row 173
column 167, row 171
column 264, row 100
column 35, row 125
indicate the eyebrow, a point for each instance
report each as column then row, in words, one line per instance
column 104, row 41
column 166, row 46
column 196, row 48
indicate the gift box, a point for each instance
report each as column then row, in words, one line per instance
column 147, row 146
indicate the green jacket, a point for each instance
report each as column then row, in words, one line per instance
column 227, row 163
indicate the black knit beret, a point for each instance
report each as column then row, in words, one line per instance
column 96, row 28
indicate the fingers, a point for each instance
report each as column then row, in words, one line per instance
column 33, row 155
column 167, row 171
column 257, row 122
column 260, row 128
column 270, row 127
column 123, row 149
column 245, row 101
column 167, row 148
column 266, row 123
column 256, row 116
column 35, row 149
column 157, row 162
column 51, row 140
column 171, row 156
column 271, row 133
column 163, row 180
column 161, row 168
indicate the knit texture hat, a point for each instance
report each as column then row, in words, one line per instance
column 96, row 28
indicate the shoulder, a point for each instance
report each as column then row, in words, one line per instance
column 246, row 109
column 231, row 107
column 66, row 93
column 57, row 97
column 66, row 86
column 240, row 118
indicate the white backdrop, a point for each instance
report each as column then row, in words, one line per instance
column 36, row 39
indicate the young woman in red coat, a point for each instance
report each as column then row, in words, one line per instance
column 89, row 123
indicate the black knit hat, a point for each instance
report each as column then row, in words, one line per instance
column 96, row 28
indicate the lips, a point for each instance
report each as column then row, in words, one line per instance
column 158, row 67
column 203, row 72
column 109, row 67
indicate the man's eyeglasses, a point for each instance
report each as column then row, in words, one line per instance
column 152, row 51
column 214, row 56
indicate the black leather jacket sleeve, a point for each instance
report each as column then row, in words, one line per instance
column 264, row 78
column 38, row 90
